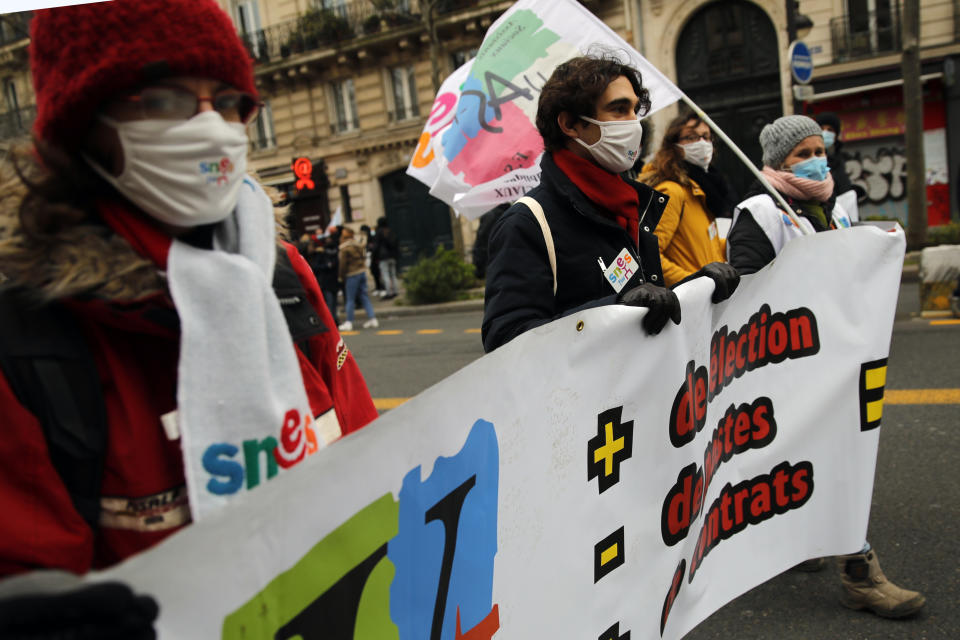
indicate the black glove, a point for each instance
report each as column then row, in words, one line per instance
column 86, row 611
column 724, row 276
column 662, row 302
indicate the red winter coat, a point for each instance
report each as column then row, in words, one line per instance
column 135, row 348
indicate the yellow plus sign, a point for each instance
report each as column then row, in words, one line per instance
column 607, row 451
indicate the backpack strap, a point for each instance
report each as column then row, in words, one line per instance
column 302, row 319
column 537, row 211
column 53, row 374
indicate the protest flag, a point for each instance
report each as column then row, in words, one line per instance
column 480, row 146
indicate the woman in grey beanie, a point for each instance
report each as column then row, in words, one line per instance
column 795, row 164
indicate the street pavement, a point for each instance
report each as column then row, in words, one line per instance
column 915, row 512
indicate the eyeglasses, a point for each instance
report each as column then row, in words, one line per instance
column 173, row 103
column 693, row 137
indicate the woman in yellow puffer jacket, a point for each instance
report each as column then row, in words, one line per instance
column 687, row 232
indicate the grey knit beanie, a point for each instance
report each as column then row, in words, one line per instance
column 780, row 137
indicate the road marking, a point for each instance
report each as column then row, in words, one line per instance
column 941, row 323
column 349, row 333
column 922, row 396
column 390, row 332
column 383, row 404
column 429, row 332
column 471, row 331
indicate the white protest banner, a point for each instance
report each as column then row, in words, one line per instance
column 480, row 145
column 585, row 480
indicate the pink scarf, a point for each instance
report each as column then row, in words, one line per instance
column 799, row 188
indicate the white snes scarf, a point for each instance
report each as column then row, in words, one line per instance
column 239, row 383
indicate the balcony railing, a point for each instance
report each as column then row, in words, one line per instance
column 16, row 123
column 865, row 35
column 324, row 28
column 321, row 29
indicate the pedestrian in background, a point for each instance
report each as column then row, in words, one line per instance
column 830, row 125
column 388, row 251
column 140, row 261
column 353, row 274
column 325, row 262
column 305, row 245
column 687, row 232
column 373, row 262
column 795, row 164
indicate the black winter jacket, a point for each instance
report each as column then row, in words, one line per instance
column 386, row 245
column 838, row 169
column 519, row 293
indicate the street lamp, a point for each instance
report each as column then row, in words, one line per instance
column 802, row 24
column 798, row 24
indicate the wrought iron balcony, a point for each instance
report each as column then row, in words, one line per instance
column 322, row 28
column 865, row 35
column 16, row 123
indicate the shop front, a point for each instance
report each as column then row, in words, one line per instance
column 873, row 130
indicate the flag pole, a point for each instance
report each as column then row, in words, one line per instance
column 779, row 199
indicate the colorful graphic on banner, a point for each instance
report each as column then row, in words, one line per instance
column 480, row 146
column 420, row 568
column 447, row 542
column 338, row 590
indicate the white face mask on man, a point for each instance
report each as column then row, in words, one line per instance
column 698, row 153
column 619, row 144
column 183, row 172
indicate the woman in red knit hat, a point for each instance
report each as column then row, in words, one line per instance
column 148, row 309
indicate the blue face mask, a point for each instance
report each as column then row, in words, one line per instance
column 829, row 137
column 812, row 169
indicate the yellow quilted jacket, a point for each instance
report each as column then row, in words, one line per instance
column 687, row 233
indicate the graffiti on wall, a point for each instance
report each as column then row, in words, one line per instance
column 883, row 175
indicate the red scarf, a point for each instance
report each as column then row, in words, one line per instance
column 146, row 238
column 614, row 197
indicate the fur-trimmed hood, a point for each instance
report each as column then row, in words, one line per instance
column 87, row 259
column 83, row 259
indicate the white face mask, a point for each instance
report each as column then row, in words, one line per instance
column 182, row 172
column 619, row 144
column 699, row 153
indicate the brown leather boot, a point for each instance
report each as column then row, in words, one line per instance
column 810, row 566
column 865, row 587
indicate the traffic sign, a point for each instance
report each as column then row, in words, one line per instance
column 801, row 62
column 803, row 92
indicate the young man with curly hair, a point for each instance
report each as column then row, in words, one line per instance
column 554, row 261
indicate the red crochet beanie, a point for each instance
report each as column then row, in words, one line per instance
column 83, row 55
